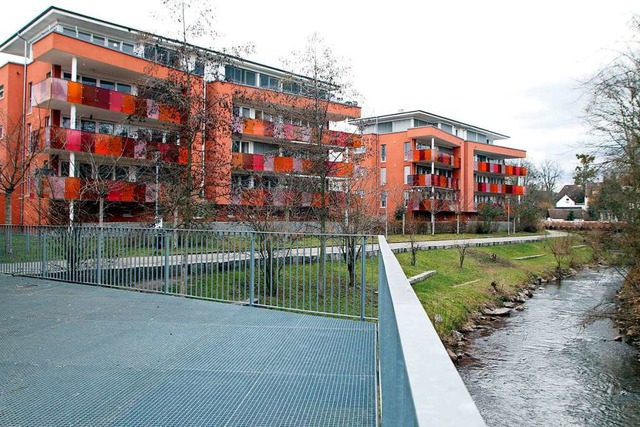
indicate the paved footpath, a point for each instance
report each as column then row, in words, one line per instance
column 487, row 241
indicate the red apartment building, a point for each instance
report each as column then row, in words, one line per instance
column 425, row 160
column 78, row 89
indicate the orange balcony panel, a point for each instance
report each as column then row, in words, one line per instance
column 307, row 166
column 523, row 171
column 128, row 104
column 108, row 145
column 237, row 161
column 283, row 164
column 74, row 92
column 72, row 188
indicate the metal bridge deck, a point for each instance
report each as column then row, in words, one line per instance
column 82, row 355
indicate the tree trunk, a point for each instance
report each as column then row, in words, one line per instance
column 8, row 221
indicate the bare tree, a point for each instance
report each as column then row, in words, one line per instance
column 549, row 172
column 20, row 147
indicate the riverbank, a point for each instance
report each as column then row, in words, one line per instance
column 458, row 299
column 627, row 315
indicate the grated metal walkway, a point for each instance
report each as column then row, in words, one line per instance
column 90, row 356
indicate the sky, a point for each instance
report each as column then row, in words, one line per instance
column 515, row 68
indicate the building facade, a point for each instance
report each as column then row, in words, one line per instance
column 99, row 143
column 433, row 164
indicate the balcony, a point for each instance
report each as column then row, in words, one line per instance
column 55, row 93
column 68, row 188
column 432, row 180
column 289, row 132
column 516, row 190
column 427, row 204
column 58, row 138
column 499, row 169
column 281, row 197
column 259, row 162
column 436, row 156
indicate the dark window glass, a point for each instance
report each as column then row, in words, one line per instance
column 250, row 78
column 66, row 122
column 198, row 68
column 107, row 85
column 235, row 146
column 114, row 44
column 127, row 47
column 84, row 36
column 84, row 170
column 64, row 168
column 156, row 135
column 89, row 81
column 98, row 40
column 88, row 126
column 105, row 172
column 105, row 128
column 69, row 31
column 122, row 173
column 124, row 88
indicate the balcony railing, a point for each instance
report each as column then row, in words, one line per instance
column 427, row 180
column 71, row 188
column 291, row 132
column 259, row 162
column 436, row 205
column 55, row 89
column 498, row 168
column 517, row 190
column 436, row 156
column 110, row 145
column 281, row 197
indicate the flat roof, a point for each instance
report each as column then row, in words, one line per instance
column 35, row 28
column 425, row 116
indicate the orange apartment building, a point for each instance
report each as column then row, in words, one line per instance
column 425, row 160
column 79, row 91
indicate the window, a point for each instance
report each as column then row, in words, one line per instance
column 383, row 153
column 407, row 151
column 98, row 40
column 1, row 91
column 269, row 82
column 114, row 44
column 0, row 131
column 405, row 198
column 383, row 176
column 383, row 199
column 240, row 75
column 34, row 139
column 64, row 168
column 407, row 172
column 122, row 173
column 66, row 122
column 105, row 128
column 84, row 170
column 198, row 68
column 124, row 88
column 30, row 95
column 89, row 81
column 82, row 35
column 105, row 172
column 127, row 48
column 385, row 127
column 107, row 85
column 88, row 126
column 121, row 130
column 290, row 87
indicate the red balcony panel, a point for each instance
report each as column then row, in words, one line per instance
column 289, row 131
column 128, row 147
column 115, row 100
column 183, row 155
column 140, row 193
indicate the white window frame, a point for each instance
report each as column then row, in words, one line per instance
column 1, row 91
column 407, row 172
column 383, row 199
column 383, row 153
column 383, row 176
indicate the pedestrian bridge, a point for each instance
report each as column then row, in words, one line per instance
column 91, row 355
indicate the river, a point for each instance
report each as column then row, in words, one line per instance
column 544, row 368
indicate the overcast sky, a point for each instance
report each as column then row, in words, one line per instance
column 508, row 66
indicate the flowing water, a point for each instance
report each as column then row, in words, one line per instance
column 544, row 368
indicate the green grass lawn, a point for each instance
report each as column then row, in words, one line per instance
column 453, row 292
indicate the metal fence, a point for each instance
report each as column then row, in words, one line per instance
column 328, row 274
column 419, row 385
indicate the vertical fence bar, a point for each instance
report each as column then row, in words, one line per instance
column 252, row 268
column 363, row 282
column 99, row 257
column 166, row 261
column 43, row 249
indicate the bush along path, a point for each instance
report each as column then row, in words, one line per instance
column 493, row 282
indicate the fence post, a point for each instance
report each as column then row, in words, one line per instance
column 99, row 257
column 252, row 268
column 166, row 261
column 27, row 230
column 363, row 282
column 43, row 267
